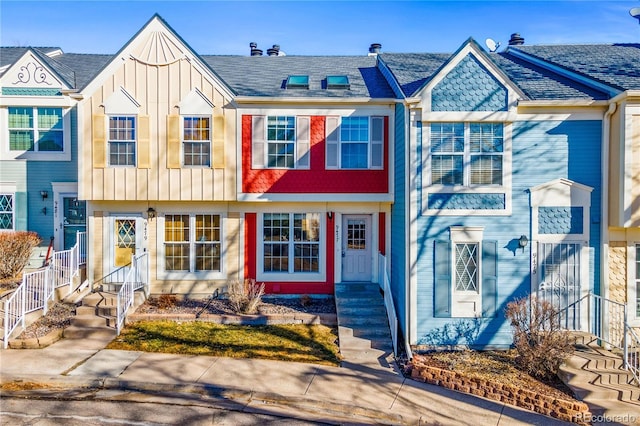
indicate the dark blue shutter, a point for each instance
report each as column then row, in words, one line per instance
column 489, row 278
column 442, row 286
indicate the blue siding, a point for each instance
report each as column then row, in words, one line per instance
column 560, row 220
column 399, row 231
column 469, row 87
column 569, row 150
column 466, row 201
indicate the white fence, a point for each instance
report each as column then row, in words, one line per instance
column 137, row 277
column 38, row 287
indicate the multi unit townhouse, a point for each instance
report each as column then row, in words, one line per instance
column 475, row 177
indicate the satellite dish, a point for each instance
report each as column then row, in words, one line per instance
column 492, row 45
column 635, row 12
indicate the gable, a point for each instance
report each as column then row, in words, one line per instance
column 29, row 76
column 469, row 86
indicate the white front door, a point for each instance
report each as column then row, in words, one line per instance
column 127, row 239
column 356, row 248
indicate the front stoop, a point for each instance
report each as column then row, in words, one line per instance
column 363, row 327
column 95, row 318
column 597, row 377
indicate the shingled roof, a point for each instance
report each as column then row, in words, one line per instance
column 413, row 70
column 617, row 65
column 267, row 75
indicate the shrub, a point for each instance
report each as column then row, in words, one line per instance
column 15, row 250
column 165, row 301
column 541, row 344
column 305, row 300
column 245, row 296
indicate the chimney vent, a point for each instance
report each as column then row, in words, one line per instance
column 516, row 40
column 273, row 51
column 254, row 49
column 374, row 49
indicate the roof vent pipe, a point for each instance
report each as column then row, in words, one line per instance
column 273, row 51
column 516, row 40
column 374, row 49
column 254, row 49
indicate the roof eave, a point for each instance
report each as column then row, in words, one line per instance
column 563, row 102
column 312, row 100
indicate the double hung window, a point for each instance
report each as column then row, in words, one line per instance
column 467, row 154
column 281, row 138
column 36, row 129
column 192, row 243
column 196, row 141
column 122, row 141
column 291, row 242
column 7, row 212
column 355, row 142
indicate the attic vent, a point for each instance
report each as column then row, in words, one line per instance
column 374, row 49
column 298, row 82
column 274, row 51
column 254, row 49
column 516, row 40
column 338, row 82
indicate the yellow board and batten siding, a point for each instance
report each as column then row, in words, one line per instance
column 159, row 174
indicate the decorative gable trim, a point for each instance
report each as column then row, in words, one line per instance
column 31, row 72
column 195, row 103
column 121, row 102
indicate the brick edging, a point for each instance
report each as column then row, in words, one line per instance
column 37, row 342
column 289, row 318
column 569, row 411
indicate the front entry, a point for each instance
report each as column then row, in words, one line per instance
column 127, row 235
column 356, row 248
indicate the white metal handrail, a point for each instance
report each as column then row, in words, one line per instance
column 38, row 287
column 384, row 280
column 137, row 277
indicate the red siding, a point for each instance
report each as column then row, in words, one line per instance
column 381, row 232
column 317, row 179
column 288, row 287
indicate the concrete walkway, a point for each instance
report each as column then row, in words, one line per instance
column 350, row 394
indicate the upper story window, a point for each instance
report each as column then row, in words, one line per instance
column 122, row 141
column 36, row 129
column 7, row 211
column 357, row 143
column 467, row 154
column 281, row 137
column 196, row 141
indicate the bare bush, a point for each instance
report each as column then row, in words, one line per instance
column 15, row 250
column 245, row 296
column 541, row 344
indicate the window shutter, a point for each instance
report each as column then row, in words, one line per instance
column 173, row 142
column 489, row 278
column 218, row 142
column 332, row 142
column 99, row 140
column 377, row 142
column 442, row 284
column 258, row 143
column 303, row 142
column 144, row 160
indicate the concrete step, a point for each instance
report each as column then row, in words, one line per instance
column 81, row 332
column 90, row 321
column 354, row 288
column 364, row 321
column 369, row 310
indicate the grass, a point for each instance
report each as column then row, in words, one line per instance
column 315, row 344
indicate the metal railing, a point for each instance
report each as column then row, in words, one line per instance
column 384, row 280
column 137, row 277
column 38, row 288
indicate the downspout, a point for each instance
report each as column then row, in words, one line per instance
column 408, row 231
column 604, row 221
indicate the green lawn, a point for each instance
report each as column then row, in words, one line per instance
column 314, row 344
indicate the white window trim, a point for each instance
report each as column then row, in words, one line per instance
column 182, row 140
column 506, row 187
column 370, row 143
column 64, row 155
column 108, row 140
column 633, row 282
column 10, row 189
column 466, row 235
column 189, row 275
column 319, row 276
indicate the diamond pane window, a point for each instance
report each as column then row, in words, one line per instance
column 338, row 82
column 298, row 82
column 466, row 267
column 6, row 211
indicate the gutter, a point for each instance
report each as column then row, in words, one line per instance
column 308, row 99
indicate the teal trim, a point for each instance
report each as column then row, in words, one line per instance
column 31, row 91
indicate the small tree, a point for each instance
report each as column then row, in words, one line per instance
column 245, row 296
column 15, row 250
column 541, row 344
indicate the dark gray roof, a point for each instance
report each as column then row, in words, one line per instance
column 414, row 70
column 617, row 65
column 267, row 75
column 8, row 55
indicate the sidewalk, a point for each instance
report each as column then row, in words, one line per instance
column 351, row 394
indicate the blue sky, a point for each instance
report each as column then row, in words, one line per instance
column 317, row 27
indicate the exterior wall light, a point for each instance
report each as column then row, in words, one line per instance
column 44, row 194
column 151, row 212
column 522, row 242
